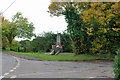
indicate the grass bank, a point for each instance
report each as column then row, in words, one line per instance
column 71, row 57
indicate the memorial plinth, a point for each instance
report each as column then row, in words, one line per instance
column 56, row 49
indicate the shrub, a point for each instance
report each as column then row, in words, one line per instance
column 15, row 45
column 117, row 65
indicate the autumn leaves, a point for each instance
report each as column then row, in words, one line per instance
column 94, row 27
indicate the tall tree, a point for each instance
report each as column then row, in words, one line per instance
column 75, row 27
column 66, row 41
column 19, row 27
column 103, row 23
column 4, row 24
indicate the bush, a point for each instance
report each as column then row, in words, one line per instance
column 117, row 65
column 15, row 45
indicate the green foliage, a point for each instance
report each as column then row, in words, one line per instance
column 39, row 44
column 22, row 27
column 76, row 28
column 26, row 46
column 3, row 26
column 15, row 45
column 19, row 27
column 94, row 27
column 50, row 38
column 44, row 43
column 117, row 65
column 102, row 19
column 66, row 41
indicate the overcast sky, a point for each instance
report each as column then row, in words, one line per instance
column 36, row 12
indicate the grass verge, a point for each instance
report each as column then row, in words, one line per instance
column 71, row 57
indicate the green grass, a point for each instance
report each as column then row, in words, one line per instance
column 70, row 57
column 104, row 56
column 7, row 49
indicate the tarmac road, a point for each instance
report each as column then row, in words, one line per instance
column 13, row 67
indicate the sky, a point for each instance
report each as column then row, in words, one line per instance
column 36, row 12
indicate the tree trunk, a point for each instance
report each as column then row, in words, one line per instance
column 11, row 46
column 18, row 49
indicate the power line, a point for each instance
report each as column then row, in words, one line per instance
column 8, row 6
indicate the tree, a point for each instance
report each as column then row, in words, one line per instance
column 19, row 27
column 40, row 44
column 59, row 8
column 66, row 41
column 4, row 24
column 26, row 45
column 75, row 27
column 103, row 23
column 15, row 45
column 99, row 20
column 44, row 42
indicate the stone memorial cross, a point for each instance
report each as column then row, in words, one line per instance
column 56, row 49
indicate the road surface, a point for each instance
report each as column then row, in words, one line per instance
column 14, row 67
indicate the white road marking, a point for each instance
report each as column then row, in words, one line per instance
column 15, row 68
column 11, row 70
column 18, row 64
column 6, row 74
column 13, row 77
column 1, row 77
column 91, row 77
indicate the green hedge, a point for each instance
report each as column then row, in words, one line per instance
column 117, row 65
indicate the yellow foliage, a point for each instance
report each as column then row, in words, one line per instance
column 93, row 50
column 103, row 6
column 89, row 33
column 116, row 29
column 105, row 31
column 5, row 41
